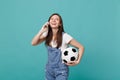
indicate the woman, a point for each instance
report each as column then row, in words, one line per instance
column 56, row 41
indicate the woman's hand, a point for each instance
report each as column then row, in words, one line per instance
column 72, row 63
column 44, row 30
column 44, row 27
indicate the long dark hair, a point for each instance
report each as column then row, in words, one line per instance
column 59, row 33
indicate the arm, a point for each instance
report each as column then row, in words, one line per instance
column 76, row 44
column 37, row 39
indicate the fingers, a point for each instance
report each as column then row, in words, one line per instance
column 44, row 28
column 46, row 25
column 71, row 63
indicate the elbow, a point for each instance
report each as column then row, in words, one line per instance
column 82, row 48
column 33, row 43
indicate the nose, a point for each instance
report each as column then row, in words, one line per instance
column 53, row 20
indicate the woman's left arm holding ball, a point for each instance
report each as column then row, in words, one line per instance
column 76, row 44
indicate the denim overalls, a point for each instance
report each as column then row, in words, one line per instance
column 55, row 69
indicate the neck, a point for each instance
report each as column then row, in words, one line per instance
column 54, row 31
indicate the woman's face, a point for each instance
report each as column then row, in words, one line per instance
column 54, row 21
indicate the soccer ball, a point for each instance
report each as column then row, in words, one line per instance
column 69, row 54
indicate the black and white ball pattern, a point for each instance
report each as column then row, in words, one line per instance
column 69, row 54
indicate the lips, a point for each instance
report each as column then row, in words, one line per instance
column 53, row 23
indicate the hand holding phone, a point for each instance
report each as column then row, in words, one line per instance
column 44, row 30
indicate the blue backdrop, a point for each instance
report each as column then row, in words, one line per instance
column 94, row 23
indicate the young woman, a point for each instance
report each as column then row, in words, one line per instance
column 56, row 41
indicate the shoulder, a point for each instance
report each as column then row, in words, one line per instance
column 65, row 34
column 67, row 37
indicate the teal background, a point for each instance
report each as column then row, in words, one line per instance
column 94, row 23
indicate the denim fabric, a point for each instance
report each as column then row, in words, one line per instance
column 55, row 69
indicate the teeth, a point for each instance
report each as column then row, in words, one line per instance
column 53, row 23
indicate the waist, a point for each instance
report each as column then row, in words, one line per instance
column 57, row 65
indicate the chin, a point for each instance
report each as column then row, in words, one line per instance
column 54, row 27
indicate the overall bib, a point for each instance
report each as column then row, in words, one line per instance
column 55, row 69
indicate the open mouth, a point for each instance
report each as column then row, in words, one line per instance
column 53, row 24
